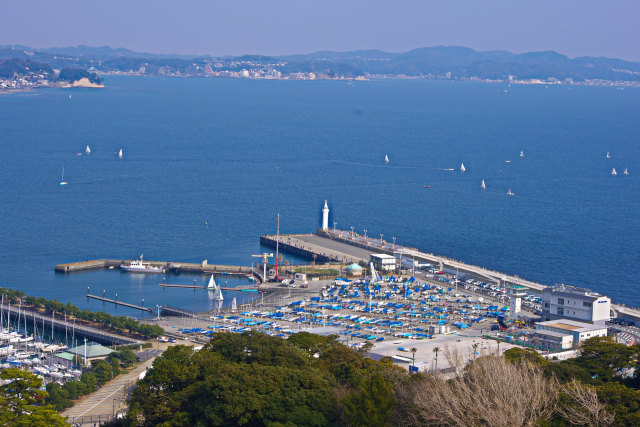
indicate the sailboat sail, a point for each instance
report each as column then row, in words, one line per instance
column 234, row 305
column 626, row 171
column 613, row 172
column 62, row 181
column 386, row 158
column 462, row 168
column 120, row 154
column 608, row 155
column 217, row 295
column 483, row 185
column 521, row 153
column 87, row 150
column 509, row 193
column 212, row 284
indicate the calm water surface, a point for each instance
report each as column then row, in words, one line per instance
column 234, row 153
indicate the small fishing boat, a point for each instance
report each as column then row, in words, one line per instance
column 510, row 193
column 613, row 172
column 608, row 155
column 483, row 185
column 62, row 181
column 521, row 153
column 507, row 161
column 462, row 168
column 427, row 186
column 386, row 159
column 626, row 171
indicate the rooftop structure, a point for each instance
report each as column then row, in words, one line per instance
column 579, row 331
column 383, row 261
column 94, row 351
column 570, row 302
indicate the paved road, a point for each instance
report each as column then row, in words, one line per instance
column 322, row 245
column 101, row 402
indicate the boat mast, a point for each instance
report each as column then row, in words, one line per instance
column 277, row 247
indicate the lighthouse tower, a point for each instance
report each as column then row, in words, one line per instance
column 325, row 217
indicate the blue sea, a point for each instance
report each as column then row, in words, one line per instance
column 209, row 163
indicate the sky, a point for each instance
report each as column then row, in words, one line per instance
column 273, row 27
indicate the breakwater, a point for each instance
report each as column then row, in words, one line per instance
column 169, row 266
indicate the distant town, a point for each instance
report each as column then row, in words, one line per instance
column 22, row 67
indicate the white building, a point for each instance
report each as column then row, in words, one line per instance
column 579, row 331
column 569, row 302
column 553, row 341
column 383, row 261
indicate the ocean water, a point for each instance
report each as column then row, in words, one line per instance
column 209, row 163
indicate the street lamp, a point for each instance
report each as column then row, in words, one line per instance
column 334, row 226
column 351, row 233
column 381, row 236
column 365, row 233
column 394, row 242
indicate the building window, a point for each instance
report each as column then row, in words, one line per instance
column 587, row 304
column 560, row 301
column 561, row 310
column 546, row 305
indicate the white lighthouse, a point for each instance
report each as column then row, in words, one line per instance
column 325, row 217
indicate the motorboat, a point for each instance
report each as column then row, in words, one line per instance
column 138, row 266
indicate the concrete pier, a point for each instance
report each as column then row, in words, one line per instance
column 169, row 266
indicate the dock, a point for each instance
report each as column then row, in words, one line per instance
column 116, row 302
column 169, row 266
column 57, row 324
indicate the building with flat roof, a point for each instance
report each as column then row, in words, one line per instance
column 579, row 331
column 570, row 302
column 553, row 341
column 383, row 261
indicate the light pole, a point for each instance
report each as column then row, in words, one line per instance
column 334, row 226
column 381, row 236
column 365, row 234
column 352, row 233
column 394, row 242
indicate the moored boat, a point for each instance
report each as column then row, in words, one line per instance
column 138, row 266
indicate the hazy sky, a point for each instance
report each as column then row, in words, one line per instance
column 573, row 27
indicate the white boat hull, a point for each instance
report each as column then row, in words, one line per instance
column 143, row 269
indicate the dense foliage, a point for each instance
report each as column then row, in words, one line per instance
column 21, row 401
column 253, row 379
column 75, row 74
column 120, row 324
column 61, row 396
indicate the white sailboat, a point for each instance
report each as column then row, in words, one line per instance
column 483, row 185
column 521, row 153
column 217, row 295
column 462, row 168
column 234, row 305
column 626, row 171
column 386, row 159
column 87, row 150
column 608, row 155
column 613, row 172
column 212, row 284
column 510, row 193
column 62, row 181
column 120, row 154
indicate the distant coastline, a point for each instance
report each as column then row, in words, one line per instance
column 454, row 63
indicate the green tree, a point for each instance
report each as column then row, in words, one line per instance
column 604, row 358
column 370, row 405
column 21, row 401
column 436, row 350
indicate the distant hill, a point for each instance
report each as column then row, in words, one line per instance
column 451, row 62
